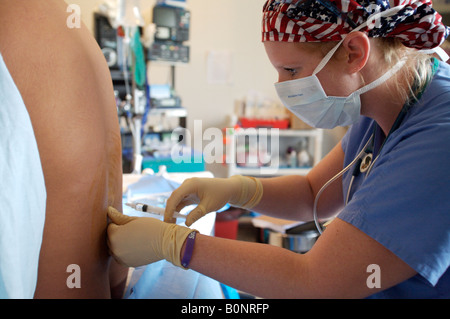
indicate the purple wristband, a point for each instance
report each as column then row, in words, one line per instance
column 190, row 241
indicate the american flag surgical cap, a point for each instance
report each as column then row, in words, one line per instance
column 414, row 22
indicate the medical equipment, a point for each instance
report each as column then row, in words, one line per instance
column 118, row 28
column 172, row 23
column 169, row 52
column 172, row 28
column 129, row 23
column 129, row 13
column 152, row 210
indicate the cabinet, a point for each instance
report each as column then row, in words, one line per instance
column 261, row 151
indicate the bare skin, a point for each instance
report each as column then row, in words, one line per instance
column 66, row 86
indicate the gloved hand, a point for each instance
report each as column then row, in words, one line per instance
column 212, row 194
column 138, row 241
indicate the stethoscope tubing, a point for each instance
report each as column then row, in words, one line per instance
column 332, row 180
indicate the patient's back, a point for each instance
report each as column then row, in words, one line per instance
column 66, row 87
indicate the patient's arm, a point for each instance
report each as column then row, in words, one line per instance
column 67, row 89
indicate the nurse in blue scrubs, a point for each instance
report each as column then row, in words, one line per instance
column 340, row 63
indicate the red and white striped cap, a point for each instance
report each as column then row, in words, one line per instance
column 415, row 22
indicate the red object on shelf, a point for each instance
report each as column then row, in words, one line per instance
column 258, row 123
column 227, row 229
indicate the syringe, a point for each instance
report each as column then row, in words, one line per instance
column 152, row 210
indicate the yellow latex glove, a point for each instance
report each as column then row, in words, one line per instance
column 211, row 194
column 138, row 241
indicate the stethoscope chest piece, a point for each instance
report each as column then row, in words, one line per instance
column 366, row 162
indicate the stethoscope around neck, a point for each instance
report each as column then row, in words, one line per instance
column 364, row 161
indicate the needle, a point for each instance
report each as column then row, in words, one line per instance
column 152, row 209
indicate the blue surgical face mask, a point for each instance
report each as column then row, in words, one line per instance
column 307, row 99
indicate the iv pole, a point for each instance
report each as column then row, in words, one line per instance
column 129, row 18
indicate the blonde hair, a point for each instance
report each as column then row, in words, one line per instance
column 416, row 73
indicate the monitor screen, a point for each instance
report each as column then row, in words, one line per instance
column 165, row 17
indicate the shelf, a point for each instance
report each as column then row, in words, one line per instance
column 286, row 138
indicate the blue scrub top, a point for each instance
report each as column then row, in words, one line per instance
column 404, row 202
